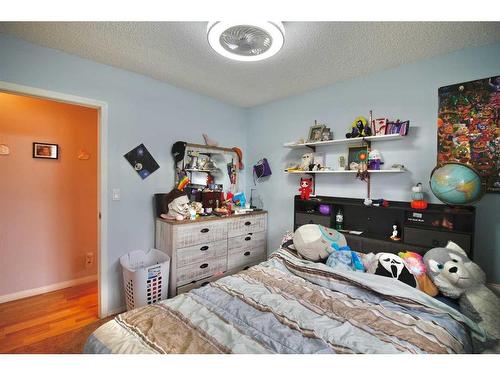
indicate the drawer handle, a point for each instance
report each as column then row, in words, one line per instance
column 247, row 253
column 204, row 230
column 248, row 238
column 204, row 283
column 248, row 223
column 203, row 248
column 204, row 265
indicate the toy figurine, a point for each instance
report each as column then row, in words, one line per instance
column 306, row 161
column 395, row 233
column 359, row 128
column 418, row 202
column 305, row 188
column 374, row 160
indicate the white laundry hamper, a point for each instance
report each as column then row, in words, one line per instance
column 145, row 277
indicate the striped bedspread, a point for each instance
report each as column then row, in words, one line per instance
column 289, row 305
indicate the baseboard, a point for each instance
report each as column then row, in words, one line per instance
column 46, row 289
column 118, row 310
column 494, row 287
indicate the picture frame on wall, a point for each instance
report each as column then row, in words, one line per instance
column 316, row 132
column 45, row 150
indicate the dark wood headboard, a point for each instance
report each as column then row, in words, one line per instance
column 420, row 230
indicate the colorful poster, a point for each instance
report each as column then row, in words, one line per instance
column 468, row 128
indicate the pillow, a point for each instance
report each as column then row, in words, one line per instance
column 415, row 263
column 391, row 265
column 316, row 242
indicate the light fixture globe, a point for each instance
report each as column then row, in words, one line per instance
column 246, row 41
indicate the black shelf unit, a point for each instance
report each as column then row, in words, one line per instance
column 420, row 229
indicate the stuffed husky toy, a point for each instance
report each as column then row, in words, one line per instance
column 456, row 276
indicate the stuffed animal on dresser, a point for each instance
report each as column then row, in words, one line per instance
column 456, row 276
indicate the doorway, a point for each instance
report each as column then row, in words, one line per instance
column 51, row 183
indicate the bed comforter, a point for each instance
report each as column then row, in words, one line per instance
column 289, row 305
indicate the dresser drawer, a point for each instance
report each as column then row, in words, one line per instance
column 201, row 252
column 246, row 242
column 193, row 234
column 198, row 284
column 244, row 257
column 200, row 270
column 434, row 238
column 247, row 224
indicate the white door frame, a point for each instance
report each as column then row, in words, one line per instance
column 102, row 178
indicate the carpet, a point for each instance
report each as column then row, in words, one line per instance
column 71, row 342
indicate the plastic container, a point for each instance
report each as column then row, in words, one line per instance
column 145, row 277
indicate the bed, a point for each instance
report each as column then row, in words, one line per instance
column 290, row 305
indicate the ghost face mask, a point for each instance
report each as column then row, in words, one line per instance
column 179, row 207
column 391, row 265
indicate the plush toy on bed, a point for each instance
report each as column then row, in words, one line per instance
column 317, row 243
column 457, row 276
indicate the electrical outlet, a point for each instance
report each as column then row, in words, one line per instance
column 89, row 259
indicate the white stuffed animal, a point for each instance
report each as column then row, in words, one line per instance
column 456, row 276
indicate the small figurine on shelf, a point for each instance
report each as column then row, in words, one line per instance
column 395, row 233
column 339, row 220
column 306, row 161
column 418, row 202
column 342, row 163
column 374, row 160
column 305, row 188
column 359, row 128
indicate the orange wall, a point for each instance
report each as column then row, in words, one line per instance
column 48, row 208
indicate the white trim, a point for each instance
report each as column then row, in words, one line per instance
column 102, row 177
column 46, row 289
column 118, row 310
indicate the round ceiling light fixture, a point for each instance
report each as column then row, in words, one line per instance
column 246, row 41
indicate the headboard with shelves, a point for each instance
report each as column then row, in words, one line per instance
column 421, row 230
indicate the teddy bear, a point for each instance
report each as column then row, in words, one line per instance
column 456, row 276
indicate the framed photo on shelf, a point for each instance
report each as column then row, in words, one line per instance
column 327, row 134
column 316, row 132
column 379, row 126
column 355, row 153
column 45, row 150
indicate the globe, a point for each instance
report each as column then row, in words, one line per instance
column 456, row 184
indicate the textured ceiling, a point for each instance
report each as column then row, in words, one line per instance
column 315, row 54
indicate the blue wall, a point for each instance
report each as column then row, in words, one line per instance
column 406, row 92
column 157, row 114
column 141, row 110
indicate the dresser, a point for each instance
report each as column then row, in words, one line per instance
column 206, row 249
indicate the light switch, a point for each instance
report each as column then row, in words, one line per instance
column 116, row 194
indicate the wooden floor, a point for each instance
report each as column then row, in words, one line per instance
column 30, row 320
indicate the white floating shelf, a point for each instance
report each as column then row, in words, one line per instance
column 387, row 137
column 202, row 170
column 329, row 172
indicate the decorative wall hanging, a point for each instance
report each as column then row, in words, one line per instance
column 83, row 155
column 142, row 161
column 468, row 128
column 4, row 149
column 45, row 150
